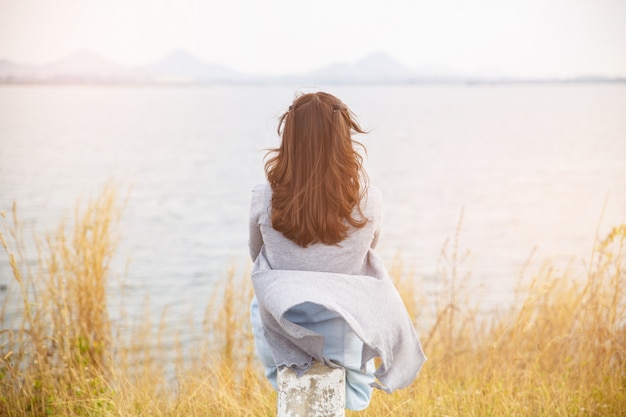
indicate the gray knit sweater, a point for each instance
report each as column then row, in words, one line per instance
column 348, row 279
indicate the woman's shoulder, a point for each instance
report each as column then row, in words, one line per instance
column 372, row 197
column 261, row 198
column 262, row 192
column 372, row 203
column 261, row 189
column 373, row 192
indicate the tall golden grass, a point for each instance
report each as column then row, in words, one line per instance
column 559, row 351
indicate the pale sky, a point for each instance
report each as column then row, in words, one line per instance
column 496, row 37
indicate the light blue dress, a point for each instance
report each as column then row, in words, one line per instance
column 341, row 345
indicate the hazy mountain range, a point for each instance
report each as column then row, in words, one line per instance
column 181, row 67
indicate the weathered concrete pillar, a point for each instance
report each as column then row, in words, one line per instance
column 321, row 392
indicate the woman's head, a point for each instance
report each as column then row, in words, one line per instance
column 316, row 175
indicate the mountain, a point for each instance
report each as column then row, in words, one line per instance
column 375, row 68
column 85, row 63
column 11, row 71
column 85, row 66
column 82, row 66
column 180, row 65
column 5, row 64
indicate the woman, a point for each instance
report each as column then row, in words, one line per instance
column 320, row 291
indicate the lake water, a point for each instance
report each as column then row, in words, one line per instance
column 529, row 166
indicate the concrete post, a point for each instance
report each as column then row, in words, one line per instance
column 321, row 392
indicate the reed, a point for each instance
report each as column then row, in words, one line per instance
column 58, row 348
column 558, row 351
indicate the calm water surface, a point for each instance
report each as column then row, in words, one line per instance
column 529, row 168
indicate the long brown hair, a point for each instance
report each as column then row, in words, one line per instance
column 316, row 175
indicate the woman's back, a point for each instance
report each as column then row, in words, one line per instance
column 350, row 256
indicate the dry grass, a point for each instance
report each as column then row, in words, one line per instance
column 560, row 351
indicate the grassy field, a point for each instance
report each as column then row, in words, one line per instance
column 560, row 351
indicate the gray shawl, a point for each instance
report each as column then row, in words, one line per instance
column 369, row 303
